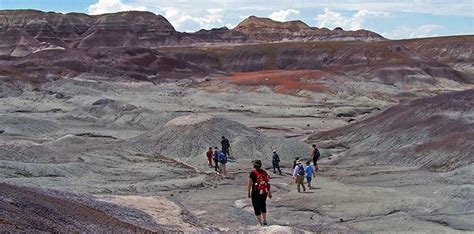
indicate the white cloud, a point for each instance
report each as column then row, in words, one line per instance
column 186, row 15
column 110, row 6
column 282, row 15
column 402, row 32
column 175, row 17
column 435, row 7
column 230, row 26
column 332, row 19
column 211, row 19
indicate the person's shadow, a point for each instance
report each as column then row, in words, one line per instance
column 312, row 190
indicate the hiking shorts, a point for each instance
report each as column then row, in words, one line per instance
column 259, row 203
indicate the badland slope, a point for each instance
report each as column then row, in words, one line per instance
column 434, row 133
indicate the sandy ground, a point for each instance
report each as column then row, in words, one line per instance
column 346, row 203
column 161, row 209
column 42, row 146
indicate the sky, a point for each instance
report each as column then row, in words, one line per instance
column 392, row 19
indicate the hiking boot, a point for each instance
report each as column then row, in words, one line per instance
column 265, row 223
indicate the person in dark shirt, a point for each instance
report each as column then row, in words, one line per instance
column 315, row 155
column 225, row 146
column 276, row 162
column 258, row 190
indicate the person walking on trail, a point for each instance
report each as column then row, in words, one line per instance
column 223, row 162
column 215, row 157
column 298, row 174
column 276, row 162
column 309, row 174
column 225, row 146
column 294, row 162
column 209, row 154
column 258, row 190
column 316, row 155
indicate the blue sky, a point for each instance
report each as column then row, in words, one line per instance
column 392, row 19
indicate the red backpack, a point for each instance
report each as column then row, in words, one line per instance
column 263, row 181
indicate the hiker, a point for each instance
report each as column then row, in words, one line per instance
column 298, row 174
column 209, row 154
column 294, row 162
column 225, row 146
column 276, row 162
column 223, row 162
column 316, row 155
column 258, row 190
column 215, row 157
column 309, row 174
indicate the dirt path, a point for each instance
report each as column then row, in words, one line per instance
column 335, row 204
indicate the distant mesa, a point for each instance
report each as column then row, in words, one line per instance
column 143, row 46
column 254, row 23
column 23, row 32
column 268, row 30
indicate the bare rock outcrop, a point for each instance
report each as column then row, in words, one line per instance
column 127, row 29
column 28, row 28
column 451, row 50
column 268, row 30
column 34, row 210
column 26, row 31
column 435, row 133
column 26, row 126
column 386, row 62
column 113, row 113
column 188, row 137
column 117, row 63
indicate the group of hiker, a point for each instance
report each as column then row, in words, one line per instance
column 300, row 171
column 218, row 158
column 259, row 188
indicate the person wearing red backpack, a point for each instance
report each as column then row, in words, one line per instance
column 258, row 190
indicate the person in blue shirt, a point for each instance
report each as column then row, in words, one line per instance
column 215, row 157
column 223, row 161
column 309, row 174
